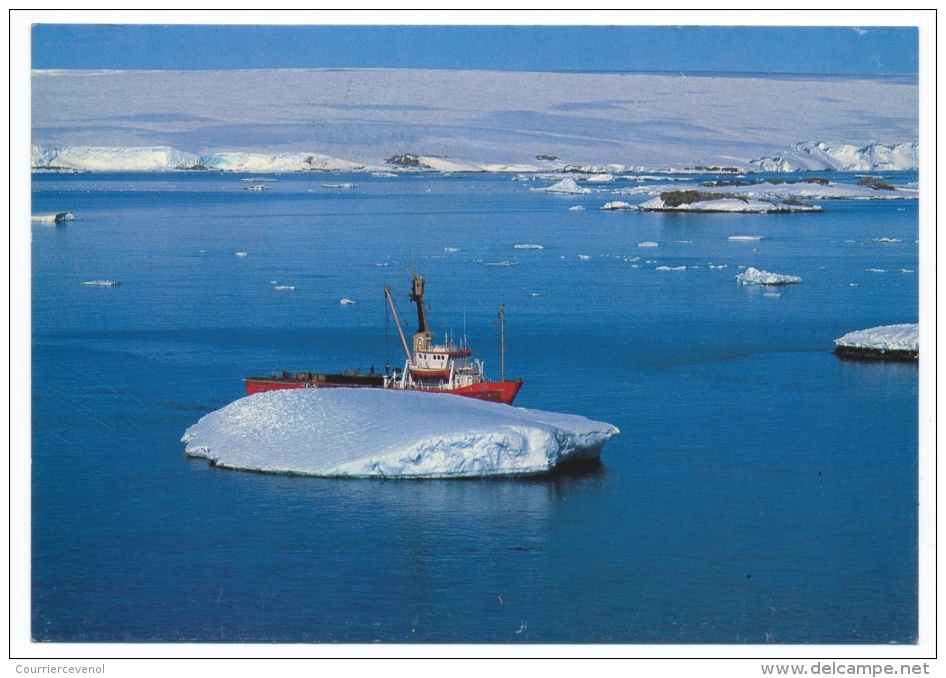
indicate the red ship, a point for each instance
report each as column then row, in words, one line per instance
column 440, row 368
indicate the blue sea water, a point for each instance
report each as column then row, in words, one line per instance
column 761, row 491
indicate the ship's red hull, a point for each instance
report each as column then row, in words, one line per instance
column 493, row 391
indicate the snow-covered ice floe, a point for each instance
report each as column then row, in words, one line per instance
column 101, row 283
column 347, row 302
column 617, row 205
column 529, row 247
column 898, row 342
column 345, row 432
column 745, row 238
column 753, row 276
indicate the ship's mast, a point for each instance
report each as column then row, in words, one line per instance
column 502, row 344
column 387, row 294
column 417, row 296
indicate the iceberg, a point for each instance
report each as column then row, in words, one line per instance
column 564, row 186
column 753, row 276
column 726, row 203
column 361, row 433
column 893, row 341
column 56, row 218
column 617, row 205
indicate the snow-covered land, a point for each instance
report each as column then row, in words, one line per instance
column 346, row 432
column 808, row 156
column 163, row 158
column 842, row 157
column 753, row 276
column 886, row 339
column 796, row 189
column 725, row 204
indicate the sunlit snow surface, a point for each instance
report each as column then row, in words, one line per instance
column 905, row 337
column 347, row 432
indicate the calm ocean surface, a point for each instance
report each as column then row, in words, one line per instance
column 761, row 490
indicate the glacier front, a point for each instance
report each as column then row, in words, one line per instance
column 343, row 432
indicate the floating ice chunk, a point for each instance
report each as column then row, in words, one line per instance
column 451, row 249
column 584, row 257
column 617, row 205
column 772, row 295
column 500, row 263
column 529, row 247
column 101, row 283
column 284, row 288
column 671, row 268
column 345, row 185
column 599, row 178
column 906, row 270
column 576, row 208
column 564, row 186
column 239, row 254
column 745, row 238
column 347, row 302
column 56, row 218
column 886, row 240
column 876, row 270
column 347, row 432
column 718, row 267
column 753, row 276
column 380, row 264
column 647, row 244
column 383, row 174
column 903, row 339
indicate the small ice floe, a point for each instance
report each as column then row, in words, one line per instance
column 576, row 208
column 256, row 187
column 685, row 242
column 745, row 238
column 101, row 283
column 887, row 342
column 886, row 240
column 718, row 267
column 340, row 185
column 383, row 174
column 599, row 178
column 671, row 268
column 273, row 282
column 617, row 205
column 854, row 284
column 850, row 242
column 451, row 249
column 647, row 244
column 753, row 276
column 239, row 254
column 56, row 218
column 772, row 295
column 284, row 288
column 500, row 263
column 535, row 294
column 584, row 257
column 380, row 264
column 564, row 186
column 906, row 270
column 347, row 302
column 384, row 433
column 876, row 270
column 528, row 247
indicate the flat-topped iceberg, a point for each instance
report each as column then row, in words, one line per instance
column 753, row 276
column 895, row 341
column 348, row 432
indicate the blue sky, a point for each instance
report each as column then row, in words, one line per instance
column 747, row 49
